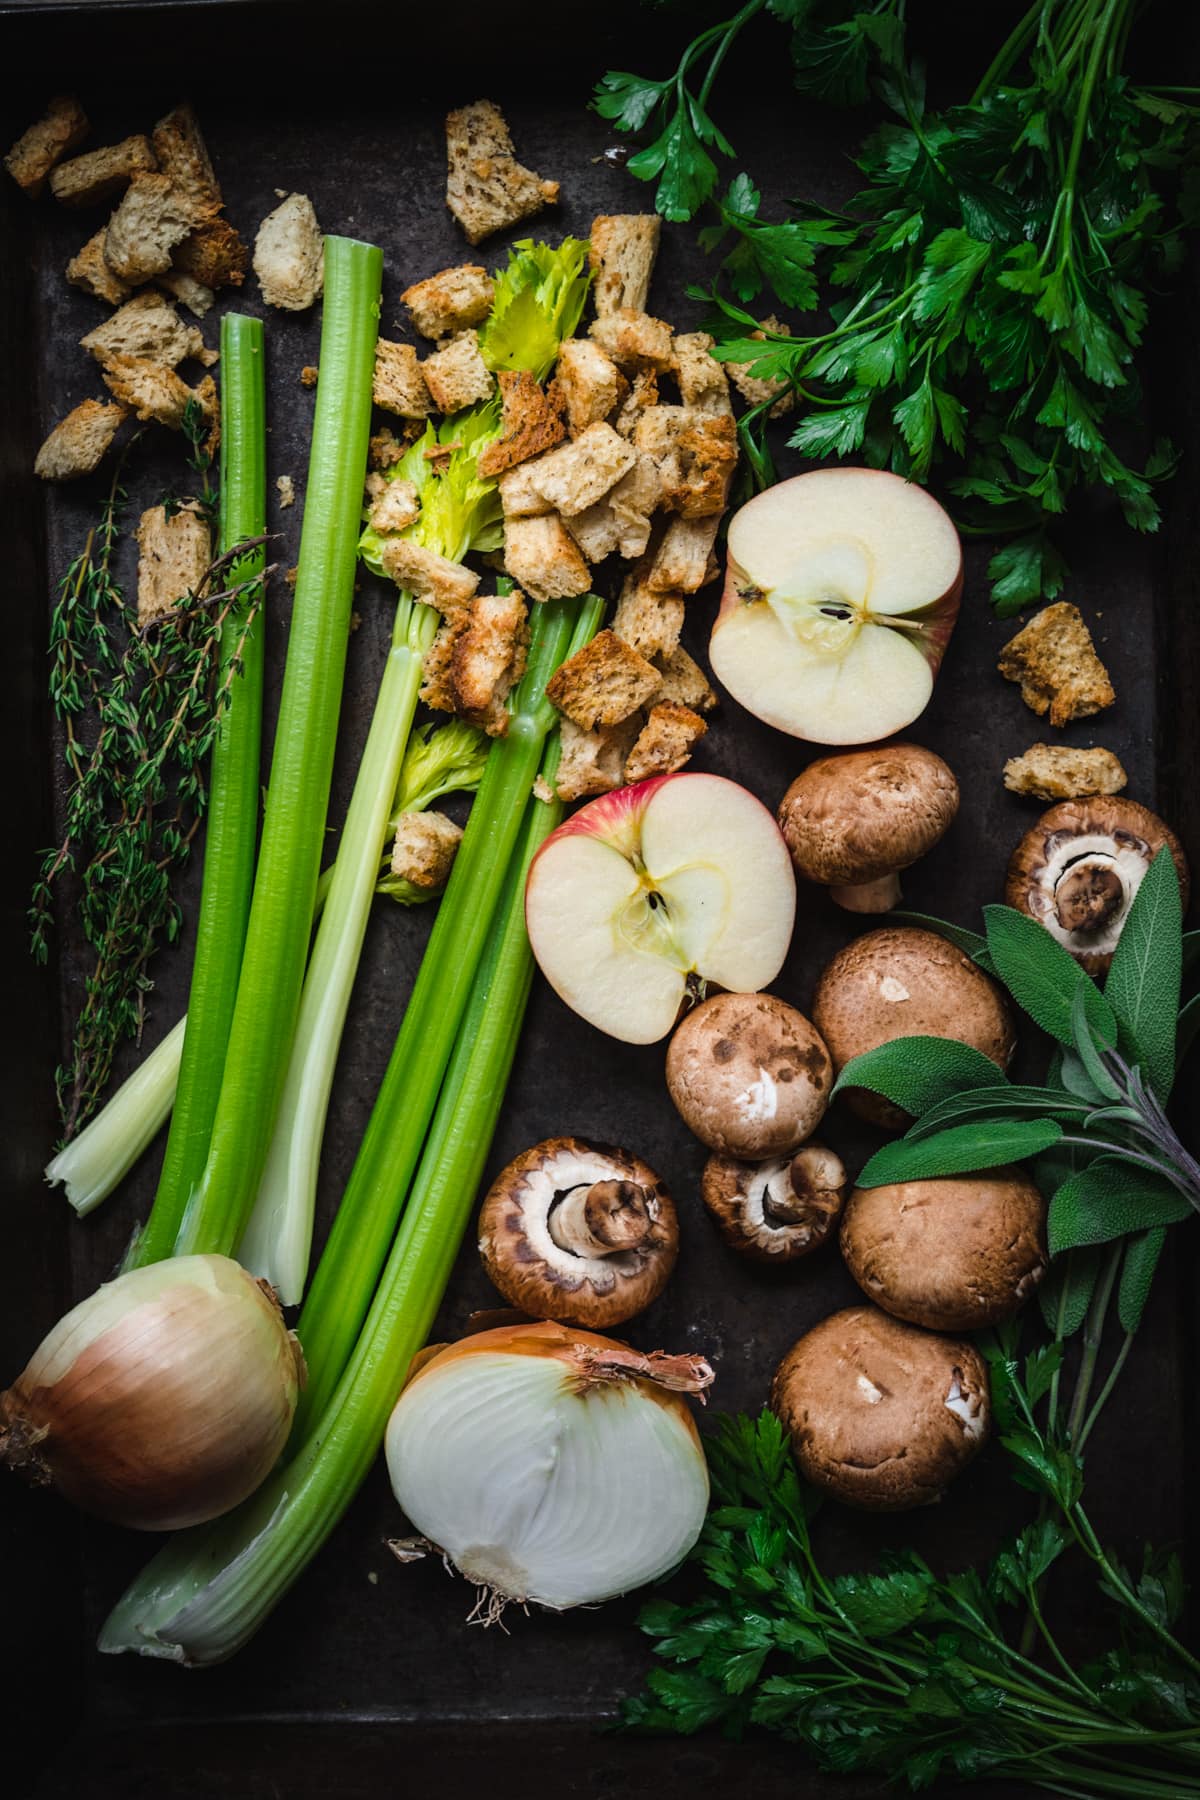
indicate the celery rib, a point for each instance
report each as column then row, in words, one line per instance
column 276, row 948
column 102, row 1154
column 231, row 834
column 208, row 1591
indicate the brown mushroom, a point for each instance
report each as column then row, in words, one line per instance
column 881, row 1415
column 955, row 1254
column 749, row 1075
column 853, row 821
column 776, row 1211
column 579, row 1233
column 901, row 982
column 1078, row 869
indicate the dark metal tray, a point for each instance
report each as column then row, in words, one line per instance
column 367, row 1679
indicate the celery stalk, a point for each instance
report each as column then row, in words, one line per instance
column 209, row 1590
column 293, row 836
column 231, row 833
column 102, row 1154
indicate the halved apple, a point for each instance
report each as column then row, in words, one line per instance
column 841, row 592
column 644, row 896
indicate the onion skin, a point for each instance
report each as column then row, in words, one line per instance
column 161, row 1401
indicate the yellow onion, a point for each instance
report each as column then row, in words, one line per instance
column 162, row 1400
column 550, row 1465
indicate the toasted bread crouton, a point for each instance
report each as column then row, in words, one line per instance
column 151, row 220
column 209, row 402
column 88, row 270
column 641, row 395
column 189, row 292
column 213, row 255
column 289, row 255
column 754, row 389
column 634, row 340
column 446, row 303
column 589, row 383
column 397, row 506
column 487, row 189
column 99, row 174
column 529, row 424
column 79, row 443
column 44, row 145
column 150, row 389
column 621, row 520
column 603, row 683
column 650, row 623
column 581, row 472
column 457, row 375
column 149, row 326
column 385, row 448
column 175, row 552
column 183, row 155
column 543, row 559
column 519, row 498
column 592, row 762
column 708, row 452
column 308, row 378
column 682, row 561
column 425, row 847
column 436, row 580
column 622, row 253
column 1058, row 772
column 437, row 665
column 702, row 380
column 665, row 743
column 488, row 658
column 1055, row 661
column 399, row 386
column 683, row 681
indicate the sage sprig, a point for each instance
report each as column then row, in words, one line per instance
column 1106, row 1151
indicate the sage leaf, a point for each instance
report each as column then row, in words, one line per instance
column 1137, row 1273
column 960, row 1151
column 1073, row 1075
column 1108, row 1199
column 918, row 1072
column 970, row 942
column 1087, row 1050
column 1187, row 1027
column 999, row 1101
column 1066, row 1293
column 1043, row 978
column 1147, row 969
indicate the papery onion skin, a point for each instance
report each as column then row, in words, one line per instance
column 563, row 1482
column 162, row 1400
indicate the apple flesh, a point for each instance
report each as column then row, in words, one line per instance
column 647, row 894
column 841, row 592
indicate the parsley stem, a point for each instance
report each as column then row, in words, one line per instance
column 1105, row 1391
column 1093, row 1333
column 1013, row 47
column 1086, row 1537
column 730, row 30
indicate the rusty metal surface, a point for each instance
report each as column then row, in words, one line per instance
column 365, row 1653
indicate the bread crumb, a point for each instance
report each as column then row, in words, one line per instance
column 543, row 791
column 287, row 491
column 1060, row 772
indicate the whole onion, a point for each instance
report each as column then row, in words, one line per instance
column 162, row 1400
column 551, row 1465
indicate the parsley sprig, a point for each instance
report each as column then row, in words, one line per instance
column 988, row 285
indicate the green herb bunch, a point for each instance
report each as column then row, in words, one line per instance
column 987, row 285
column 139, row 708
column 906, row 1672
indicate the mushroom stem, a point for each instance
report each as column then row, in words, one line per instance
column 601, row 1219
column 782, row 1205
column 1089, row 895
column 868, row 896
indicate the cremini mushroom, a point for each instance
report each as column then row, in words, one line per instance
column 779, row 1210
column 954, row 1254
column 749, row 1075
column 1077, row 870
column 578, row 1232
column 902, row 982
column 853, row 821
column 881, row 1414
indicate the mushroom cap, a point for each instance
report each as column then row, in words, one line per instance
column 749, row 1075
column 776, row 1211
column 854, row 818
column 535, row 1274
column 955, row 1254
column 903, row 982
column 881, row 1414
column 1078, row 869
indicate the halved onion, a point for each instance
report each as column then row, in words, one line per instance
column 550, row 1465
